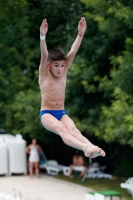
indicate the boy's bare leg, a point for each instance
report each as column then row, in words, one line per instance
column 55, row 126
column 69, row 124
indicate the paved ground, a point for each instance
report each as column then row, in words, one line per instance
column 44, row 188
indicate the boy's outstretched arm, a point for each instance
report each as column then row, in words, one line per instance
column 43, row 47
column 77, row 42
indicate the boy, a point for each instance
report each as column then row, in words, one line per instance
column 52, row 81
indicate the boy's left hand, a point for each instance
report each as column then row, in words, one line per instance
column 82, row 26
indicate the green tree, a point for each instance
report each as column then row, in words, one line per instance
column 14, row 49
column 19, row 61
column 105, row 68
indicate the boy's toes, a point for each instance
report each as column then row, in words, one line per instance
column 96, row 151
column 102, row 153
column 99, row 150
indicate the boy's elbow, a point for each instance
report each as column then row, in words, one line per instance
column 44, row 57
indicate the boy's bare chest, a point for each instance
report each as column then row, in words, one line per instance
column 54, row 83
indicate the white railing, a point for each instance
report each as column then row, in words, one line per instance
column 11, row 194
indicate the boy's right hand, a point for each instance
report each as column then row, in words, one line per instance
column 82, row 26
column 44, row 27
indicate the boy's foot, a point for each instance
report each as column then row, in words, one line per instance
column 93, row 152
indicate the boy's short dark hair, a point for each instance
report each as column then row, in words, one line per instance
column 55, row 55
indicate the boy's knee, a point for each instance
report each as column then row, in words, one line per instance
column 66, row 135
column 62, row 130
column 75, row 131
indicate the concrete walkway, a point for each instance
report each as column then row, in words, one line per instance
column 44, row 188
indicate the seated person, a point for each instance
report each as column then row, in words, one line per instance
column 78, row 160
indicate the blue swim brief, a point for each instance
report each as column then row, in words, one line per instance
column 56, row 113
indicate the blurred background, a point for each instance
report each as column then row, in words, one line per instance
column 99, row 94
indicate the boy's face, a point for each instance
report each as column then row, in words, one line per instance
column 57, row 67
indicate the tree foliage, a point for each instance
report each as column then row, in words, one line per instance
column 99, row 94
column 98, row 79
column 20, row 22
column 104, row 80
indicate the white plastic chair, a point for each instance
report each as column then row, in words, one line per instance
column 66, row 170
column 52, row 166
column 96, row 172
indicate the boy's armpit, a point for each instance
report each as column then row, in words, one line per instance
column 42, row 68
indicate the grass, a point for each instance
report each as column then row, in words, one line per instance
column 99, row 184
